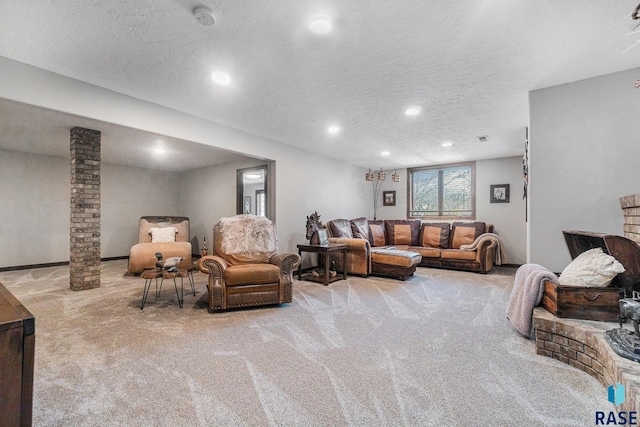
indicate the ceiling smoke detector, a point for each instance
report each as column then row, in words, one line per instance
column 204, row 16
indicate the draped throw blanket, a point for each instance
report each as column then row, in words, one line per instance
column 528, row 287
column 498, row 252
column 246, row 234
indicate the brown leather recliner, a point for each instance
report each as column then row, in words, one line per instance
column 246, row 269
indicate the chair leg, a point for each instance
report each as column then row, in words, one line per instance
column 180, row 301
column 145, row 291
column 193, row 286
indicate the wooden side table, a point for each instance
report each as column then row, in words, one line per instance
column 324, row 250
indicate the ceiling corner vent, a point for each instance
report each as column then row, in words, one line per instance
column 483, row 138
column 204, row 16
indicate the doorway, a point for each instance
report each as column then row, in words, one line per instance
column 252, row 193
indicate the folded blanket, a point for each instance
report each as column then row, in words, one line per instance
column 498, row 252
column 528, row 287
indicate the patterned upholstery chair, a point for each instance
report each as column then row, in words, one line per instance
column 246, row 269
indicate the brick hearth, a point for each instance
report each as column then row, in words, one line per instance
column 581, row 344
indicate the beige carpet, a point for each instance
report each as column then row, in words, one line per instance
column 433, row 350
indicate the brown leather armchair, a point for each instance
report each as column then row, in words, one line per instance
column 246, row 269
column 142, row 254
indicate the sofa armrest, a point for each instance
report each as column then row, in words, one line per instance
column 287, row 262
column 485, row 254
column 212, row 265
column 358, row 255
column 353, row 244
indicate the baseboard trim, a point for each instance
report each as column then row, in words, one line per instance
column 53, row 264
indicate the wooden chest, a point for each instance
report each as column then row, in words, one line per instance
column 579, row 302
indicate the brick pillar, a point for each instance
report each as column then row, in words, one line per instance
column 84, row 258
column 631, row 209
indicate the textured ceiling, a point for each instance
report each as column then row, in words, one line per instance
column 468, row 64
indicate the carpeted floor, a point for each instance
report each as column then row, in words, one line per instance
column 433, row 350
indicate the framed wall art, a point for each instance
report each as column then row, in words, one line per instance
column 388, row 198
column 499, row 193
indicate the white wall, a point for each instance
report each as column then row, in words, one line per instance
column 127, row 194
column 584, row 154
column 35, row 207
column 508, row 218
column 35, row 200
column 304, row 182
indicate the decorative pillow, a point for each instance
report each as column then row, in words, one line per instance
column 164, row 234
column 434, row 235
column 402, row 231
column 464, row 233
column 360, row 228
column 377, row 233
column 591, row 268
column 340, row 228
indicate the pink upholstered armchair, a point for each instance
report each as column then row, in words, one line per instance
column 246, row 269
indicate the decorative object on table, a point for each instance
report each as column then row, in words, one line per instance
column 323, row 236
column 624, row 342
column 388, row 198
column 313, row 225
column 247, row 205
column 376, row 181
column 205, row 248
column 499, row 193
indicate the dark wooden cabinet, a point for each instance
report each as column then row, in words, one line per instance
column 17, row 345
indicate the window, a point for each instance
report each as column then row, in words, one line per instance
column 442, row 192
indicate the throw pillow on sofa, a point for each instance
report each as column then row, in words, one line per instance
column 360, row 228
column 402, row 231
column 464, row 233
column 377, row 236
column 340, row 228
column 434, row 235
column 591, row 268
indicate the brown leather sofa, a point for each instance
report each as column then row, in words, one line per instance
column 246, row 269
column 142, row 255
column 439, row 243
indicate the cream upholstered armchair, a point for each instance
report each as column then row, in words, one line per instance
column 246, row 269
column 168, row 235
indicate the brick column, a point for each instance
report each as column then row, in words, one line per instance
column 631, row 209
column 84, row 258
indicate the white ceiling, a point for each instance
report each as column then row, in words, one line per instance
column 469, row 64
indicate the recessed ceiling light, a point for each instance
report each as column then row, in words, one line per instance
column 447, row 144
column 333, row 129
column 413, row 111
column 320, row 25
column 253, row 176
column 221, row 78
column 385, row 154
column 159, row 150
